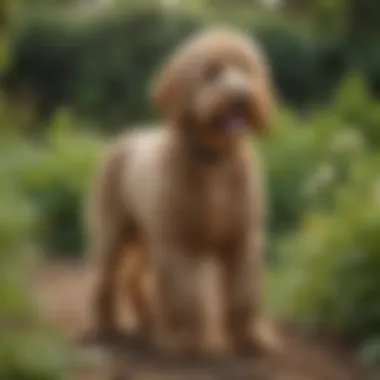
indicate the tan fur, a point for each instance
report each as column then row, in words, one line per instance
column 167, row 197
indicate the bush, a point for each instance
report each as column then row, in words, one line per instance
column 95, row 67
column 331, row 263
column 27, row 350
column 56, row 180
column 328, row 263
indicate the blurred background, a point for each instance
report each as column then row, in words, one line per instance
column 75, row 72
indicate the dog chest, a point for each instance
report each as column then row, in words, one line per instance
column 220, row 212
column 217, row 208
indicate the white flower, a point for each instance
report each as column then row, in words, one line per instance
column 376, row 191
column 323, row 177
column 347, row 141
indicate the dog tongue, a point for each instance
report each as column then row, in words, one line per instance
column 235, row 123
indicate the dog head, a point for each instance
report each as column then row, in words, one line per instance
column 217, row 87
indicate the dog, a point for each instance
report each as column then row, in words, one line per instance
column 168, row 197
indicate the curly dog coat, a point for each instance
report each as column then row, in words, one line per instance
column 167, row 197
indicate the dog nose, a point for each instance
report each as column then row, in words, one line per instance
column 241, row 100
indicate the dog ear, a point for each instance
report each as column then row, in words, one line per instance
column 264, row 103
column 167, row 92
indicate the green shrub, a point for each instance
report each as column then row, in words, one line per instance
column 328, row 262
column 331, row 264
column 102, row 66
column 56, row 181
column 358, row 108
column 27, row 349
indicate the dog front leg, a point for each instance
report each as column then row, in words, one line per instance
column 241, row 272
column 177, row 293
column 104, row 302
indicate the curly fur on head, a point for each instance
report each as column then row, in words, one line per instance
column 219, row 83
column 159, row 202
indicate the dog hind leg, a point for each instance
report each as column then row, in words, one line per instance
column 137, row 286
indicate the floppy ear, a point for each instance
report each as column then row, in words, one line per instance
column 264, row 102
column 167, row 92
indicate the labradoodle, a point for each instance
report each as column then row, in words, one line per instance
column 166, row 198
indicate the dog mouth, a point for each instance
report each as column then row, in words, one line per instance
column 233, row 119
column 231, row 122
column 234, row 123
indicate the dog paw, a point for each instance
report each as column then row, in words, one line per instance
column 268, row 338
column 101, row 336
column 215, row 345
column 262, row 340
column 177, row 345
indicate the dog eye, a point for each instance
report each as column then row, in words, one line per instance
column 212, row 71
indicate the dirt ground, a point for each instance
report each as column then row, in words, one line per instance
column 62, row 292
